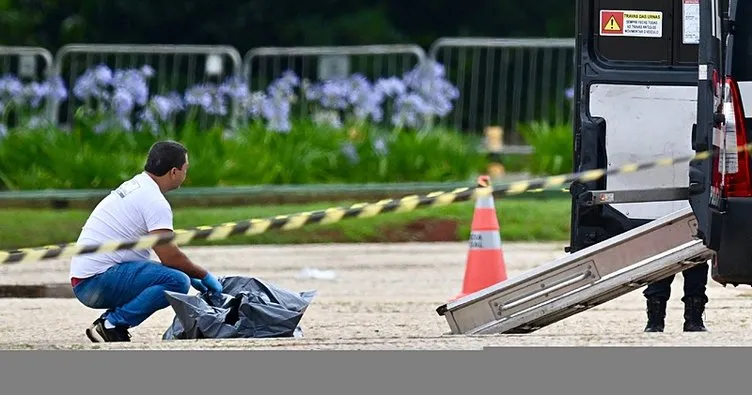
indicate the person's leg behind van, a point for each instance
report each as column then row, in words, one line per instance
column 657, row 295
column 695, row 298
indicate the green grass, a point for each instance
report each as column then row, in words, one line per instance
column 520, row 220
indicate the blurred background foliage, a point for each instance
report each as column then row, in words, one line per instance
column 245, row 24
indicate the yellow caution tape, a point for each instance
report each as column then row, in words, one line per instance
column 334, row 214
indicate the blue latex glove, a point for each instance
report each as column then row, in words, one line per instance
column 198, row 285
column 212, row 283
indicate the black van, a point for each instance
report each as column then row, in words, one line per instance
column 666, row 79
column 725, row 81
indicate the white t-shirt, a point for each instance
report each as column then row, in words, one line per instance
column 129, row 212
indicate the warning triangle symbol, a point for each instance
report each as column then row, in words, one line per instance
column 612, row 25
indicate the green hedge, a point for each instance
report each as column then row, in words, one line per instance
column 51, row 158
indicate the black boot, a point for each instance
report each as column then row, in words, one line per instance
column 693, row 312
column 656, row 315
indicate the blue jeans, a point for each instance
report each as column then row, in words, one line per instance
column 131, row 291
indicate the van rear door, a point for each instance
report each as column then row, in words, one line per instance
column 709, row 34
column 635, row 101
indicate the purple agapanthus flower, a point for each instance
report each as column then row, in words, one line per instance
column 119, row 90
column 161, row 108
column 327, row 118
column 366, row 99
column 354, row 93
column 102, row 75
column 419, row 95
column 569, row 93
column 411, row 110
column 199, row 95
column 93, row 84
column 286, row 84
column 111, row 122
column 350, row 152
column 11, row 90
column 168, row 105
column 253, row 103
column 147, row 71
column 35, row 93
column 275, row 104
column 333, row 94
column 133, row 82
column 235, row 88
column 276, row 111
column 380, row 146
column 427, row 80
column 123, row 102
column 57, row 91
column 208, row 97
column 391, row 86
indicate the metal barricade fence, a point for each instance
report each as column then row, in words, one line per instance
column 261, row 66
column 502, row 82
column 24, row 65
column 505, row 82
column 176, row 68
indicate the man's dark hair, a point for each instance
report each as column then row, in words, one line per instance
column 163, row 156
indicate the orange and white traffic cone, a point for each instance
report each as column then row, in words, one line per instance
column 485, row 259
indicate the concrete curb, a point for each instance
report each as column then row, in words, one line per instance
column 58, row 291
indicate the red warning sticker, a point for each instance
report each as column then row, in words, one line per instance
column 611, row 22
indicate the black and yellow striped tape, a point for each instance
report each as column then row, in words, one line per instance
column 335, row 214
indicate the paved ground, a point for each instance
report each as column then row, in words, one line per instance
column 383, row 296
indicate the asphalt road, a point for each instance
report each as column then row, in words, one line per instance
column 382, row 297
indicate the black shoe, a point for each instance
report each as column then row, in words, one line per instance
column 656, row 310
column 694, row 308
column 97, row 333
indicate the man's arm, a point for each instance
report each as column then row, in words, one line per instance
column 172, row 256
column 158, row 218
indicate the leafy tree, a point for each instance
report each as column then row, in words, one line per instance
column 251, row 23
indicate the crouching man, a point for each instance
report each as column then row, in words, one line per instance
column 126, row 283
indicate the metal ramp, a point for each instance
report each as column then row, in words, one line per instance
column 582, row 280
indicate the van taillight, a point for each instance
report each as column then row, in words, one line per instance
column 731, row 160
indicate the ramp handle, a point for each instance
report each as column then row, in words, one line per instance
column 562, row 284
